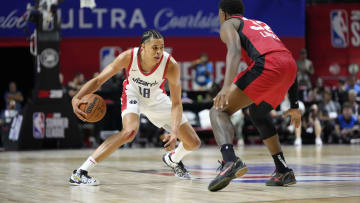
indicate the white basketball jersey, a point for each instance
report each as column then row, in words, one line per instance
column 147, row 85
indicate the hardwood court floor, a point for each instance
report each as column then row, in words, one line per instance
column 327, row 174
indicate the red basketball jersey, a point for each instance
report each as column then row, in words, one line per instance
column 257, row 39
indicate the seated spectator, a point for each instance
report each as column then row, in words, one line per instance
column 329, row 111
column 75, row 85
column 341, row 95
column 352, row 101
column 15, row 95
column 203, row 71
column 312, row 125
column 351, row 85
column 315, row 94
column 9, row 113
column 347, row 125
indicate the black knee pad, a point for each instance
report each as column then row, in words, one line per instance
column 260, row 116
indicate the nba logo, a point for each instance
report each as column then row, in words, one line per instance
column 339, row 28
column 107, row 55
column 38, row 125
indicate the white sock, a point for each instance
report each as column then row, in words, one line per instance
column 179, row 153
column 88, row 164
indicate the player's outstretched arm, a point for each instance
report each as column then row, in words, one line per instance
column 121, row 62
column 173, row 76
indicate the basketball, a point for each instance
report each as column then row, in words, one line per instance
column 95, row 108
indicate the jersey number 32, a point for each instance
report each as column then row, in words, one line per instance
column 263, row 29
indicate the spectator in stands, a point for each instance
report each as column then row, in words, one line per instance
column 9, row 113
column 305, row 70
column 329, row 108
column 315, row 94
column 329, row 111
column 341, row 94
column 74, row 86
column 203, row 71
column 347, row 125
column 351, row 85
column 312, row 125
column 352, row 101
column 15, row 95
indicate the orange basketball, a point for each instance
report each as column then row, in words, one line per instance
column 95, row 108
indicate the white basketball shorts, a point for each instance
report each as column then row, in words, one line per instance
column 158, row 110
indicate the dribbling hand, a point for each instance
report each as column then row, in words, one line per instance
column 76, row 104
column 170, row 142
column 295, row 116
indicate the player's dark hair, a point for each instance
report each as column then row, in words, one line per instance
column 232, row 6
column 150, row 34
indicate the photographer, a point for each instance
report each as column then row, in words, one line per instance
column 203, row 70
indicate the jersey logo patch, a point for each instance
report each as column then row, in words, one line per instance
column 133, row 102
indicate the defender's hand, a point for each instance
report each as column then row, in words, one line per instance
column 222, row 99
column 76, row 104
column 170, row 142
column 295, row 116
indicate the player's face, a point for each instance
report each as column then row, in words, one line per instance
column 153, row 49
column 222, row 16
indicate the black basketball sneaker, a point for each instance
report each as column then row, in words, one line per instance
column 228, row 171
column 281, row 179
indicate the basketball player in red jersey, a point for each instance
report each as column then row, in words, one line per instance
column 262, row 87
column 147, row 68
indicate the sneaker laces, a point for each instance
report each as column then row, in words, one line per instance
column 222, row 164
column 180, row 168
column 85, row 173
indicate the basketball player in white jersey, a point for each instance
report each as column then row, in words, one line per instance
column 147, row 69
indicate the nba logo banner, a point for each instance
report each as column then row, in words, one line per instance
column 38, row 125
column 107, row 55
column 339, row 28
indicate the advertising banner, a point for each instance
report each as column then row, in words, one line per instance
column 91, row 38
column 172, row 18
column 334, row 39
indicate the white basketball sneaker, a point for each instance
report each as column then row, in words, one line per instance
column 178, row 168
column 81, row 177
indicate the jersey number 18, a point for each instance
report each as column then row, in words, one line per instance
column 145, row 92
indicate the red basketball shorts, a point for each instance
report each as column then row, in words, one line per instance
column 269, row 78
